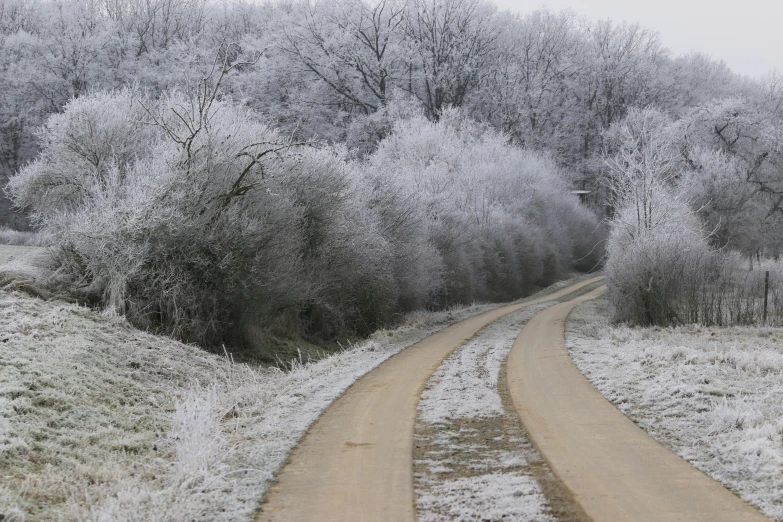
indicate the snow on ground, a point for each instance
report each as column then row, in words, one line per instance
column 99, row 421
column 472, row 457
column 712, row 395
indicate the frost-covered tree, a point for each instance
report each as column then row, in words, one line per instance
column 644, row 172
column 451, row 45
column 733, row 147
column 436, row 142
column 352, row 47
column 527, row 93
column 333, row 70
column 657, row 253
column 500, row 218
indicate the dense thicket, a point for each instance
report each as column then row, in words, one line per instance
column 690, row 195
column 190, row 214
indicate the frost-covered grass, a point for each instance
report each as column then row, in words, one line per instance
column 24, row 264
column 465, row 386
column 713, row 395
column 12, row 253
column 494, row 496
column 85, row 405
column 472, row 457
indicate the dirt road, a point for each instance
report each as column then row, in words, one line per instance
column 355, row 463
column 614, row 469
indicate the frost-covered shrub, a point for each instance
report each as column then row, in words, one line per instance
column 494, row 219
column 187, row 235
column 191, row 215
column 661, row 270
column 201, row 220
column 342, row 249
column 589, row 251
column 660, row 276
column 658, row 257
column 80, row 148
column 673, row 276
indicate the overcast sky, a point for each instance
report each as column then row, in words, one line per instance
column 746, row 34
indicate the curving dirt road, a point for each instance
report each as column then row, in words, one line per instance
column 355, row 462
column 614, row 469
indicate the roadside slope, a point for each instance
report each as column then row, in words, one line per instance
column 615, row 470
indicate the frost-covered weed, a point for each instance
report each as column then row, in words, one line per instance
column 713, row 395
column 736, row 413
column 9, row 236
column 197, row 433
column 9, row 505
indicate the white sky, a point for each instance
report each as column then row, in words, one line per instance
column 746, row 34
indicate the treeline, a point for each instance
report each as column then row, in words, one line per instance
column 360, row 159
column 341, row 71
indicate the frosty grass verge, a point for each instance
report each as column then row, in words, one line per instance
column 474, row 465
column 712, row 395
column 99, row 421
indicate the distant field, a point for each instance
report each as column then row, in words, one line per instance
column 10, row 253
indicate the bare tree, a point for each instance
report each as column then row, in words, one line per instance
column 349, row 45
column 451, row 44
column 644, row 173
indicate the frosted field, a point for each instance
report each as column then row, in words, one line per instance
column 712, row 395
column 100, row 421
